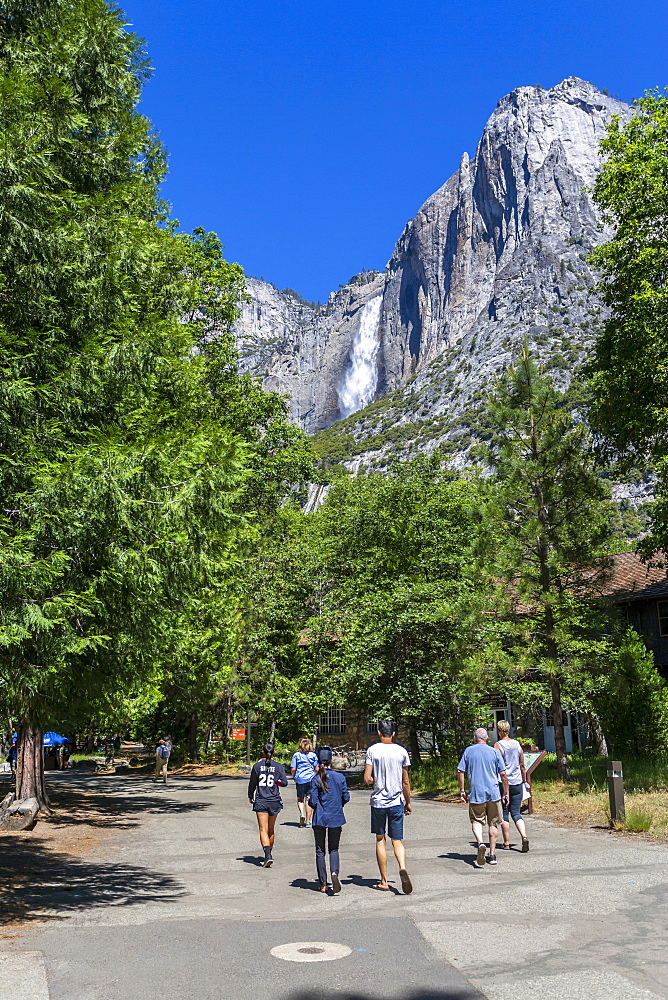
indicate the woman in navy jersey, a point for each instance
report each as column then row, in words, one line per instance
column 266, row 778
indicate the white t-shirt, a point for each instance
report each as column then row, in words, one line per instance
column 387, row 761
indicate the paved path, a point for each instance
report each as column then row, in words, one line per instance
column 178, row 908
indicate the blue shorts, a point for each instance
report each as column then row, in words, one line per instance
column 303, row 789
column 393, row 817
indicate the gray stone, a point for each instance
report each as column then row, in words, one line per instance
column 498, row 254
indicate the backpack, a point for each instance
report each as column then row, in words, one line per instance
column 163, row 752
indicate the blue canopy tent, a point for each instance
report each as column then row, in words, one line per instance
column 54, row 740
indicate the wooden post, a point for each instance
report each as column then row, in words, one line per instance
column 616, row 791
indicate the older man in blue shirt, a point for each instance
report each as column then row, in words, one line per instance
column 485, row 769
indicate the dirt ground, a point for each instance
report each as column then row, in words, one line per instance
column 32, row 861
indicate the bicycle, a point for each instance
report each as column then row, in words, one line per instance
column 347, row 754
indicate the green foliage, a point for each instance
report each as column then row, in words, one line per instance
column 628, row 371
column 394, row 593
column 133, row 454
column 276, row 675
column 633, row 705
column 547, row 535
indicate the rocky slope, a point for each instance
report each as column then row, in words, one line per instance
column 499, row 253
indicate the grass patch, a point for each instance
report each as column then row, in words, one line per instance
column 638, row 820
column 435, row 777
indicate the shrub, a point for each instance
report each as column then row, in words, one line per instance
column 633, row 706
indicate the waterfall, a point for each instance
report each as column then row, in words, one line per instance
column 361, row 377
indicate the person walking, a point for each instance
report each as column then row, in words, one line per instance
column 513, row 758
column 266, row 778
column 13, row 754
column 162, row 755
column 386, row 768
column 484, row 767
column 303, row 767
column 328, row 795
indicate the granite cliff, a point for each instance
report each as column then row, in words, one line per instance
column 399, row 361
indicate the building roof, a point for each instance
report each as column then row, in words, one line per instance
column 632, row 579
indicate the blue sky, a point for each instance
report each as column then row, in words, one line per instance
column 306, row 134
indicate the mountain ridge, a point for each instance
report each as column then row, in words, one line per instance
column 498, row 254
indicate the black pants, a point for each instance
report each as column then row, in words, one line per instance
column 333, row 834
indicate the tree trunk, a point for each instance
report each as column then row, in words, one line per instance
column 599, row 743
column 414, row 745
column 90, row 745
column 455, row 724
column 228, row 723
column 559, row 736
column 193, row 753
column 273, row 731
column 30, row 765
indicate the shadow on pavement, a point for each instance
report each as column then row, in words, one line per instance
column 468, row 859
column 370, row 883
column 103, row 802
column 304, row 883
column 42, row 884
column 456, row 993
column 251, row 859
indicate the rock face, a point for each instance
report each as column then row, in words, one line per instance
column 497, row 255
column 303, row 350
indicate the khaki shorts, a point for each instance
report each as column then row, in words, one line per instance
column 486, row 812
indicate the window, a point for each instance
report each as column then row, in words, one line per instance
column 662, row 608
column 371, row 726
column 332, row 721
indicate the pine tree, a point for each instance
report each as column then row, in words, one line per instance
column 119, row 487
column 548, row 532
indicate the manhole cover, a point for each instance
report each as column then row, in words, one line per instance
column 310, row 951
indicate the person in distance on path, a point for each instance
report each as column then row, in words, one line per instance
column 303, row 766
column 485, row 769
column 386, row 769
column 329, row 794
column 162, row 753
column 513, row 758
column 266, row 778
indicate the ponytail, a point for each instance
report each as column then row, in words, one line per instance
column 322, row 778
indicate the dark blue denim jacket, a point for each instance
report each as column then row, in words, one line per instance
column 329, row 805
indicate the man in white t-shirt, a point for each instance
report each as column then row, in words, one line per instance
column 386, row 769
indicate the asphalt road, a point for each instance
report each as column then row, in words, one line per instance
column 177, row 906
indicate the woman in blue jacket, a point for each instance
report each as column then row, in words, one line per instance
column 329, row 794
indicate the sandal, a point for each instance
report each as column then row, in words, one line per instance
column 406, row 883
